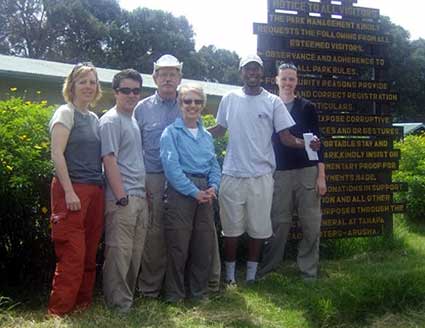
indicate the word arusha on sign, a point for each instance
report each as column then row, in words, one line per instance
column 351, row 233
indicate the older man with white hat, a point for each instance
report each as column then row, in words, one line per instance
column 153, row 115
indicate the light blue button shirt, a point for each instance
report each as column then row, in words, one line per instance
column 182, row 153
column 154, row 114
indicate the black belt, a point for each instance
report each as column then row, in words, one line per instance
column 196, row 175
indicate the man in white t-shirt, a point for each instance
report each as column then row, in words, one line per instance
column 251, row 114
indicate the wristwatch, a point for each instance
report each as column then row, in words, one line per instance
column 122, row 201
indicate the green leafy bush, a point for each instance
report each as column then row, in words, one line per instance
column 219, row 143
column 412, row 171
column 26, row 253
column 25, row 173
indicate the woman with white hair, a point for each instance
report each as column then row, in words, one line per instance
column 193, row 174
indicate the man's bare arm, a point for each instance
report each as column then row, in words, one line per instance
column 217, row 131
column 290, row 140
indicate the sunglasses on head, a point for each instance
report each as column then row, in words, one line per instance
column 188, row 101
column 288, row 65
column 80, row 65
column 127, row 91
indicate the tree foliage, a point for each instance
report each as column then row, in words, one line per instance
column 406, row 71
column 219, row 65
column 143, row 35
column 24, row 29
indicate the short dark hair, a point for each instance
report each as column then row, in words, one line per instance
column 128, row 73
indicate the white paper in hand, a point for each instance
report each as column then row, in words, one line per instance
column 312, row 155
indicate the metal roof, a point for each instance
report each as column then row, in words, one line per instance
column 409, row 128
column 28, row 68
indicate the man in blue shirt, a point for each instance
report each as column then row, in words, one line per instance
column 154, row 114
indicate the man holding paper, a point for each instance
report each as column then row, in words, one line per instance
column 250, row 114
column 299, row 183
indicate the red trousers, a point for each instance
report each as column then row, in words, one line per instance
column 76, row 236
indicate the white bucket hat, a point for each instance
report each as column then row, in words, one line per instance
column 167, row 61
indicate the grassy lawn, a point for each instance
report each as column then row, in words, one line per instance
column 364, row 283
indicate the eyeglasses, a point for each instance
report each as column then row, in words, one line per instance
column 127, row 91
column 288, row 65
column 188, row 101
column 165, row 75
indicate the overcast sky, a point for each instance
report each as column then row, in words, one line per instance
column 228, row 23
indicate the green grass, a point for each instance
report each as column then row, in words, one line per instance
column 369, row 282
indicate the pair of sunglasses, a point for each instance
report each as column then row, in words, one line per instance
column 188, row 101
column 288, row 65
column 127, row 91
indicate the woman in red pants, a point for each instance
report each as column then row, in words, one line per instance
column 77, row 197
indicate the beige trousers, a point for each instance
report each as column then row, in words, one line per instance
column 294, row 191
column 125, row 232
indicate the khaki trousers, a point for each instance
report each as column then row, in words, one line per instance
column 154, row 259
column 189, row 231
column 215, row 271
column 294, row 190
column 125, row 232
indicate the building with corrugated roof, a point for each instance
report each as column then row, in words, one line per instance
column 411, row 128
column 36, row 79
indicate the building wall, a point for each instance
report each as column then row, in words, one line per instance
column 51, row 91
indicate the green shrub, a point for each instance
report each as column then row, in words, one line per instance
column 219, row 143
column 25, row 173
column 412, row 171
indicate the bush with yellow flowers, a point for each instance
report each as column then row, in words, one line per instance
column 25, row 172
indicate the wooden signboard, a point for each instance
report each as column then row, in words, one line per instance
column 339, row 49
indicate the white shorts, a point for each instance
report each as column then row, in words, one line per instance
column 245, row 205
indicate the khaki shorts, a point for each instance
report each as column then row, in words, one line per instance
column 245, row 205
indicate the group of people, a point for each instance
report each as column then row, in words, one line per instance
column 162, row 177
